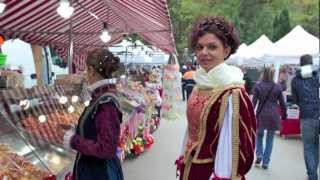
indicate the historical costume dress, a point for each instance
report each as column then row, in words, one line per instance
column 220, row 138
column 96, row 136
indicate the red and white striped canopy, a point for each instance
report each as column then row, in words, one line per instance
column 37, row 22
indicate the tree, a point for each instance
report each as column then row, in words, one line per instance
column 281, row 25
column 252, row 18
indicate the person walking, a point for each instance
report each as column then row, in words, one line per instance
column 283, row 77
column 267, row 96
column 305, row 92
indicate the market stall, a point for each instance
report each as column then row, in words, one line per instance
column 30, row 118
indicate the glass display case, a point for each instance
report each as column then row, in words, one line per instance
column 18, row 159
column 29, row 126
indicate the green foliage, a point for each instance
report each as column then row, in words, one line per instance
column 252, row 18
column 281, row 25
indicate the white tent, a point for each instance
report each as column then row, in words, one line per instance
column 289, row 48
column 237, row 58
column 259, row 47
column 251, row 55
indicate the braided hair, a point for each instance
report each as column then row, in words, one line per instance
column 218, row 26
column 104, row 62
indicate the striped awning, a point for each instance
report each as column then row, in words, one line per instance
column 37, row 22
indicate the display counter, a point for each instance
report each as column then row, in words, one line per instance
column 30, row 118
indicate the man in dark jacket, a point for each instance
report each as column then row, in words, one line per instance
column 248, row 82
column 305, row 91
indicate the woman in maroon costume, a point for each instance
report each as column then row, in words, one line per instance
column 220, row 138
column 97, row 134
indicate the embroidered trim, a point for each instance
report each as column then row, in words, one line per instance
column 246, row 130
column 84, row 117
column 216, row 93
column 235, row 134
column 187, row 168
column 253, row 131
column 188, row 160
column 194, row 144
column 112, row 98
column 202, row 161
column 220, row 88
column 223, row 108
column 244, row 100
column 203, row 120
column 242, row 156
column 188, row 154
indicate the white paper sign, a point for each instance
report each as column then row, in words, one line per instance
column 293, row 113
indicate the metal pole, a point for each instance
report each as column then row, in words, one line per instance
column 70, row 52
column 126, row 55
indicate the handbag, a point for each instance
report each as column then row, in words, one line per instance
column 264, row 101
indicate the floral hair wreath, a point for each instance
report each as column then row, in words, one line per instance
column 208, row 23
column 102, row 62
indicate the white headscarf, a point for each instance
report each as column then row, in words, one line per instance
column 219, row 77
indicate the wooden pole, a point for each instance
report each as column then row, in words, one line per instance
column 38, row 62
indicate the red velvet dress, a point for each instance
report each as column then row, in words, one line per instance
column 205, row 113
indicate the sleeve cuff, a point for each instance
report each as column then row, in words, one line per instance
column 73, row 141
column 67, row 138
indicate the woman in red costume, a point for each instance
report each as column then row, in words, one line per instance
column 220, row 138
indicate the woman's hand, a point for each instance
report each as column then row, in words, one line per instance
column 179, row 166
column 67, row 138
column 65, row 135
column 214, row 177
column 61, row 133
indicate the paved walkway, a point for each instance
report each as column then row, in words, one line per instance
column 158, row 163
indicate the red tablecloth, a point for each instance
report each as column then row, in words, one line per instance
column 290, row 127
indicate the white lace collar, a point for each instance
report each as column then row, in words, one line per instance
column 100, row 83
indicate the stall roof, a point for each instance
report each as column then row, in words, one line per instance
column 259, row 47
column 37, row 22
column 290, row 47
column 297, row 42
